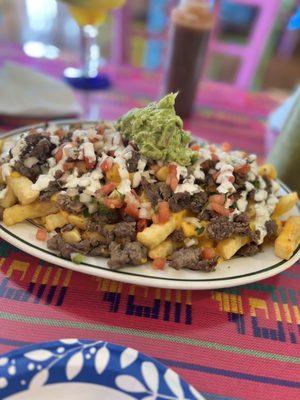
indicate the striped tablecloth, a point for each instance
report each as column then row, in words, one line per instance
column 240, row 343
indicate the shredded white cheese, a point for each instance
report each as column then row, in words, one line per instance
column 189, row 186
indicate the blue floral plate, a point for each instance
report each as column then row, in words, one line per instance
column 86, row 370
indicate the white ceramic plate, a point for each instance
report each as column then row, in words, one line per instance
column 235, row 272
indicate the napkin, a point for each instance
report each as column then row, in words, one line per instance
column 29, row 93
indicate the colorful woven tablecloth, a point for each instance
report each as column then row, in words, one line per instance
column 239, row 343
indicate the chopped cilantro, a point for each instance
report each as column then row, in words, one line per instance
column 194, row 157
column 204, row 208
column 86, row 213
column 102, row 209
column 77, row 197
column 200, row 230
column 77, row 258
column 256, row 183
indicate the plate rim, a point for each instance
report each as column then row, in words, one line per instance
column 141, row 279
column 19, row 353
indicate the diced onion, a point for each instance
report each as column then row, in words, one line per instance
column 85, row 198
column 72, row 192
column 29, row 162
column 93, row 207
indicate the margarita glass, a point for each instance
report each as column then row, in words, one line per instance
column 89, row 14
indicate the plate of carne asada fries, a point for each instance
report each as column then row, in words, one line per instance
column 140, row 201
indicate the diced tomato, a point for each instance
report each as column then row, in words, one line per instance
column 108, row 188
column 106, row 165
column 173, row 170
column 68, row 166
column 132, row 210
column 208, row 253
column 113, row 203
column 217, row 198
column 155, row 219
column 242, row 169
column 59, row 154
column 214, row 157
column 41, row 235
column 89, row 164
column 163, row 212
column 196, row 147
column 158, row 263
column 226, row 146
column 220, row 209
column 141, row 225
column 173, row 183
column 172, row 180
column 215, row 175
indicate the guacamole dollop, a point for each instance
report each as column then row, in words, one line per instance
column 158, row 132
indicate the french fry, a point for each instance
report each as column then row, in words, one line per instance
column 179, row 217
column 89, row 235
column 251, row 210
column 19, row 213
column 189, row 230
column 285, row 204
column 268, row 170
column 157, row 233
column 72, row 236
column 54, row 197
column 203, row 242
column 289, row 238
column 228, row 247
column 163, row 173
column 22, row 188
column 220, row 260
column 279, row 223
column 15, row 174
column 78, row 220
column 54, row 221
column 163, row 250
column 9, row 198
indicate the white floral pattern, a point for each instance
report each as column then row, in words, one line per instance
column 96, row 362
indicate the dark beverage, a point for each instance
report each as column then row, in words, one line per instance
column 191, row 24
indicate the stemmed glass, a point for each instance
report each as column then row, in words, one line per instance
column 89, row 14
